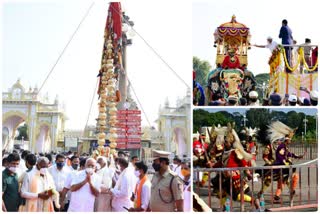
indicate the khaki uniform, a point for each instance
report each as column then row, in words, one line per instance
column 162, row 200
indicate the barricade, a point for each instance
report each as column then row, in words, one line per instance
column 305, row 196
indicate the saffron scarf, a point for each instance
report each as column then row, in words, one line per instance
column 138, row 191
column 32, row 205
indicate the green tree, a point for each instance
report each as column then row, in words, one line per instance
column 202, row 68
column 23, row 132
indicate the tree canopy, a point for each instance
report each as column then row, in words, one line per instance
column 202, row 68
column 258, row 118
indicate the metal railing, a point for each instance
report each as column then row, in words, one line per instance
column 304, row 197
column 310, row 150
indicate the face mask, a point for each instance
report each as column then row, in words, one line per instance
column 60, row 165
column 43, row 171
column 89, row 170
column 75, row 166
column 98, row 166
column 156, row 167
column 137, row 173
column 174, row 166
column 13, row 169
column 185, row 172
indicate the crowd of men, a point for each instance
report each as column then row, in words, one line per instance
column 71, row 183
column 233, row 153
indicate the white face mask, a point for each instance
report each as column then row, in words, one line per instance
column 174, row 166
column 89, row 170
column 13, row 169
column 137, row 173
column 98, row 166
column 43, row 171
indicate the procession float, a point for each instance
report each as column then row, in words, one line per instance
column 231, row 76
column 299, row 76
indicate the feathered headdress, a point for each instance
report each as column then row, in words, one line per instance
column 278, row 130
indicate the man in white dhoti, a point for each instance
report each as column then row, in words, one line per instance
column 103, row 201
column 38, row 188
column 123, row 189
column 85, row 187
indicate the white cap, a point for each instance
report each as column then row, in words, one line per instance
column 292, row 98
column 314, row 95
column 269, row 38
column 253, row 94
column 160, row 154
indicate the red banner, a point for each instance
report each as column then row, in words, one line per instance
column 129, row 118
column 133, row 123
column 134, row 146
column 129, row 130
column 129, row 134
column 125, row 135
column 129, row 140
column 129, row 112
column 121, row 146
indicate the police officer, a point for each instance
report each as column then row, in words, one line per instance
column 166, row 186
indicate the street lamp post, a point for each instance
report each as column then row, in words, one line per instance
column 263, row 89
column 305, row 126
column 244, row 119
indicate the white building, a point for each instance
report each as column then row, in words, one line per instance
column 45, row 120
column 174, row 126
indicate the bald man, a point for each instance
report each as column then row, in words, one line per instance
column 85, row 187
column 38, row 187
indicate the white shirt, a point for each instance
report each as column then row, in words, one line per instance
column 177, row 170
column 123, row 190
column 131, row 169
column 187, row 198
column 145, row 194
column 68, row 181
column 59, row 176
column 106, row 175
column 273, row 45
column 82, row 200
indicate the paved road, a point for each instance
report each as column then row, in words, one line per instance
column 305, row 194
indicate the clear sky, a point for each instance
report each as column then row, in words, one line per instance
column 35, row 32
column 262, row 17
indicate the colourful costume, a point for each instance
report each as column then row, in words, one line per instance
column 283, row 157
column 231, row 62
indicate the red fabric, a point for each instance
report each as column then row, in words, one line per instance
column 116, row 15
column 194, row 74
column 314, row 56
column 228, row 64
column 197, row 144
column 235, row 162
column 268, row 156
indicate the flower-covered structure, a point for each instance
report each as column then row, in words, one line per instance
column 108, row 91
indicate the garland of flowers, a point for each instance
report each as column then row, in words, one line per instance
column 300, row 58
column 286, row 60
column 306, row 64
